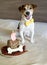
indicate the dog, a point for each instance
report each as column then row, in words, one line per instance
column 26, row 25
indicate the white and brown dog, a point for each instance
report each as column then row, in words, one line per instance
column 26, row 25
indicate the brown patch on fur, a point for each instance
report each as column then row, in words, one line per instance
column 26, row 6
column 22, row 8
column 34, row 6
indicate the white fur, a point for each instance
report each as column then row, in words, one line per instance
column 27, row 29
column 20, row 48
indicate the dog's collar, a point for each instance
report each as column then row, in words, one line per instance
column 29, row 22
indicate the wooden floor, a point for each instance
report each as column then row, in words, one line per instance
column 9, row 9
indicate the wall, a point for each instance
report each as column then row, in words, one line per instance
column 9, row 9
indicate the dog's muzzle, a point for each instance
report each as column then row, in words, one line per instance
column 27, row 13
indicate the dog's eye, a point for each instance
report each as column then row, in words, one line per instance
column 24, row 9
column 30, row 8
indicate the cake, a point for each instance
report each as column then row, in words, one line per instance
column 13, row 44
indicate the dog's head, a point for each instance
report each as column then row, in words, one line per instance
column 27, row 10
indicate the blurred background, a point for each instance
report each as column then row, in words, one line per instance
column 9, row 9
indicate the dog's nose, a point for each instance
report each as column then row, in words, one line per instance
column 27, row 13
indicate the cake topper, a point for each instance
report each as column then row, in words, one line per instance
column 13, row 36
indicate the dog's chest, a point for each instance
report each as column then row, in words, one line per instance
column 27, row 30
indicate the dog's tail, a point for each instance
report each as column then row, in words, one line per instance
column 18, row 26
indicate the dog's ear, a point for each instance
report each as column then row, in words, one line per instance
column 21, row 8
column 34, row 5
